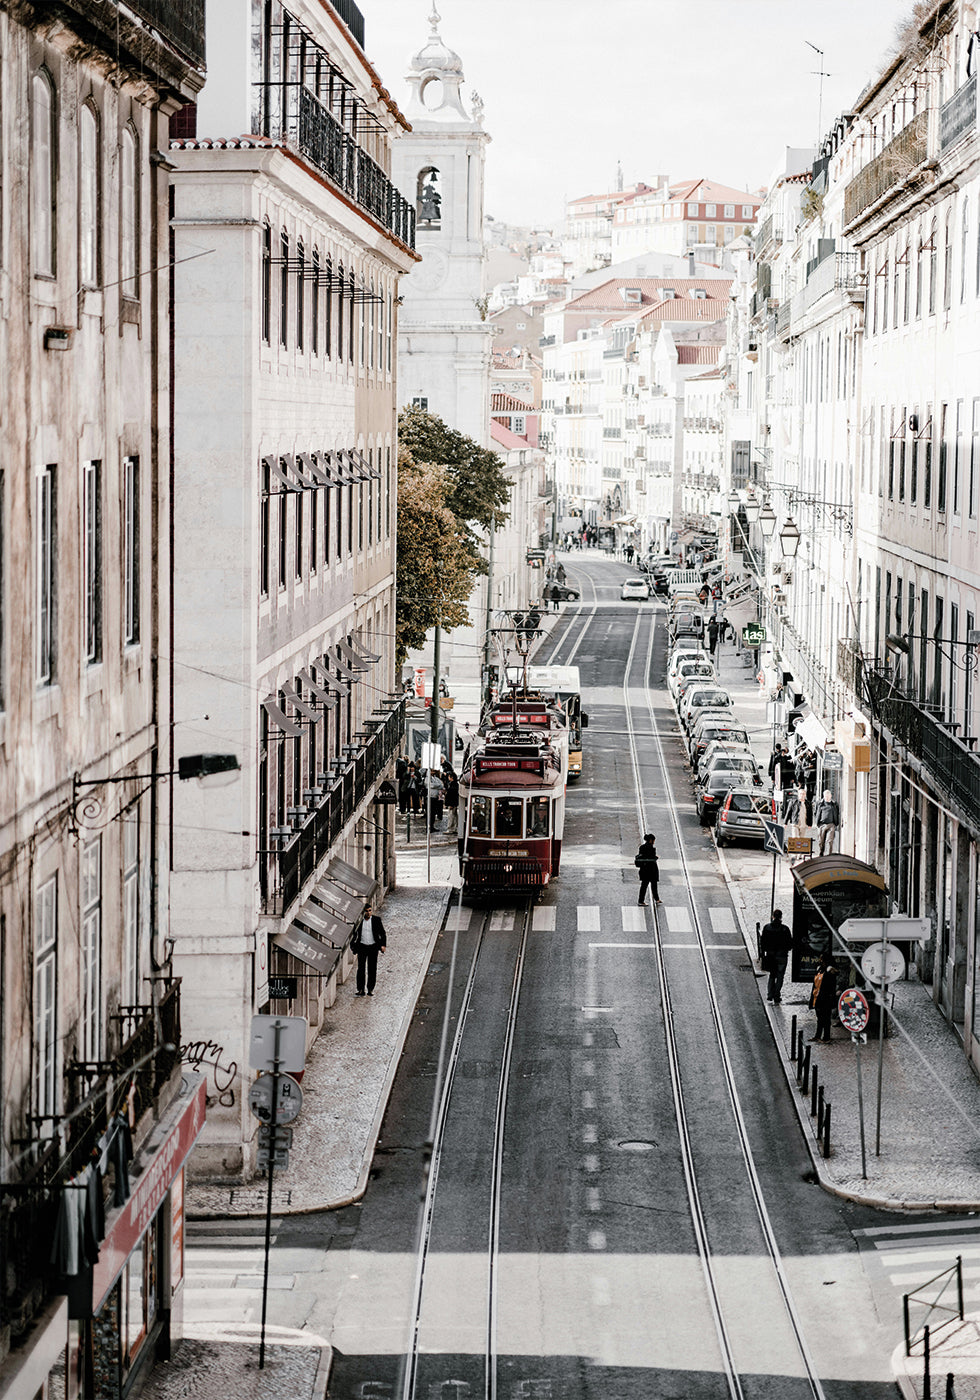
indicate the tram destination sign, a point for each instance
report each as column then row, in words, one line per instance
column 527, row 765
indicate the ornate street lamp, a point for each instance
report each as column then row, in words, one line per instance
column 752, row 509
column 767, row 521
column 734, row 501
column 789, row 539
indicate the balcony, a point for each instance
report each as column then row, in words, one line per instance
column 951, row 764
column 850, row 276
column 147, row 1059
column 284, row 872
column 904, row 154
column 958, row 116
column 612, row 432
column 352, row 17
column 546, row 340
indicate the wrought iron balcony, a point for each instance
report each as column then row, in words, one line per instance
column 147, row 1055
column 903, row 154
column 352, row 17
column 178, row 22
column 284, row 872
column 958, row 116
column 951, row 764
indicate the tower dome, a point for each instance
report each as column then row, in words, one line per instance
column 435, row 79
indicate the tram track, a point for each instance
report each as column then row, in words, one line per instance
column 412, row 1385
column 810, row 1383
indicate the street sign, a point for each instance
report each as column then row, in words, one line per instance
column 832, row 761
column 282, row 988
column 799, row 845
column 882, row 964
column 264, row 1159
column 898, row 927
column 775, row 838
column 386, row 794
column 431, row 755
column 292, row 1043
column 852, row 1008
column 283, row 1138
column 290, row 1098
column 754, row 634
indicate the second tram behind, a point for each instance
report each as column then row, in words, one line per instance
column 512, row 813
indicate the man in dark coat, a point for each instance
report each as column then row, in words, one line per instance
column 645, row 861
column 369, row 940
column 775, row 945
column 712, row 636
column 824, row 996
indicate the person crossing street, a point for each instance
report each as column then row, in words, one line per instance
column 645, row 861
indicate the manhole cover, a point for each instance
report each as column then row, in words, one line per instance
column 637, row 1145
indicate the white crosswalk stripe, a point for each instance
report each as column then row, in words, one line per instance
column 543, row 917
column 502, row 920
column 223, row 1261
column 909, row 1256
column 634, row 919
column 678, row 918
column 588, row 918
column 722, row 920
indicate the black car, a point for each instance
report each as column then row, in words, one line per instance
column 562, row 592
column 712, row 792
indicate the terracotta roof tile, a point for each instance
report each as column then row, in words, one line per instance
column 698, row 355
column 507, row 403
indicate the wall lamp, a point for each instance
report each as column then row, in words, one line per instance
column 767, row 521
column 789, row 539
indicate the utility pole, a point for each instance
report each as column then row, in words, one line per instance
column 488, row 613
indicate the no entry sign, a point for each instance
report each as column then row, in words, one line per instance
column 852, row 1008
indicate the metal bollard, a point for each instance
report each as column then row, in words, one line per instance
column 826, row 1130
column 813, row 1093
column 926, row 1371
column 806, row 1070
column 820, row 1113
column 792, row 1038
column 950, row 1392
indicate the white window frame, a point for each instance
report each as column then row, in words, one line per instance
column 729, row 211
column 92, row 561
column 518, row 424
column 747, row 211
column 90, row 904
column 710, row 211
column 692, row 211
column 129, row 221
column 46, row 556
column 131, row 551
column 45, row 999
column 131, row 908
column 44, row 173
column 89, row 203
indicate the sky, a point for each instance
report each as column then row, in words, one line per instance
column 684, row 88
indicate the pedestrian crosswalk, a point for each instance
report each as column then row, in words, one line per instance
column 223, row 1265
column 717, row 923
column 909, row 1256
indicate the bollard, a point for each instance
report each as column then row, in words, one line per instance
column 950, row 1392
column 926, row 1376
column 826, row 1130
column 813, row 1093
column 820, row 1113
column 806, row 1070
column 792, row 1038
column 799, row 1059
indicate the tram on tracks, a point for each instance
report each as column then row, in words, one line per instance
column 562, row 686
column 512, row 811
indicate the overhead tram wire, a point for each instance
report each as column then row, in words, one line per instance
column 811, row 1377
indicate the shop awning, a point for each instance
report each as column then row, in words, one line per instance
column 314, row 918
column 350, row 876
column 339, row 902
column 276, row 469
column 320, row 956
column 374, row 473
column 326, row 698
column 812, row 732
column 352, row 657
column 281, row 720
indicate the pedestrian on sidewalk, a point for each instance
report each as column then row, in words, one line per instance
column 826, row 819
column 403, row 783
column 823, row 997
column 560, row 573
column 369, row 940
column 712, row 637
column 645, row 861
column 436, row 792
column 774, row 946
column 415, row 789
column 451, row 798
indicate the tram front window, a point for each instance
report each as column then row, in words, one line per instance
column 537, row 816
column 507, row 819
column 480, row 816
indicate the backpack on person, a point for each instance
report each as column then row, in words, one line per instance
column 815, row 991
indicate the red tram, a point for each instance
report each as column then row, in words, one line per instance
column 512, row 813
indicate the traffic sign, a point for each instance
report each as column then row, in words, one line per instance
column 754, row 634
column 292, row 1043
column 799, row 845
column 264, row 1159
column 832, row 761
column 283, row 1136
column 386, row 794
column 288, row 1104
column 775, row 838
column 852, row 1008
column 882, row 964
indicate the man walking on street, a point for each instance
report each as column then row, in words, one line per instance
column 369, row 940
column 645, row 861
column 826, row 818
column 712, row 636
column 775, row 945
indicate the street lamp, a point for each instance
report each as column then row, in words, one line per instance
column 789, row 539
column 734, row 501
column 752, row 509
column 767, row 521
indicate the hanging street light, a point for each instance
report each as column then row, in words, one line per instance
column 734, row 501
column 789, row 539
column 767, row 521
column 752, row 509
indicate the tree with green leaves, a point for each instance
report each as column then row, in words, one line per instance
column 448, row 488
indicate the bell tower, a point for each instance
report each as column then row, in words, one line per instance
column 443, row 340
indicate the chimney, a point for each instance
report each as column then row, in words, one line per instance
column 690, row 263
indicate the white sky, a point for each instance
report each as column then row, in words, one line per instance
column 677, row 87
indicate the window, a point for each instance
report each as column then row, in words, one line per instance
column 918, row 274
column 46, row 563
column 265, row 510
column 747, row 211
column 421, row 403
column 933, row 264
column 266, row 283
column 508, row 816
column 928, row 432
column 958, row 450
column 350, row 317
column 89, row 210
column 131, row 550
column 964, row 247
column 129, row 213
column 129, row 989
column 284, row 289
column 480, row 816
column 44, row 177
column 537, row 816
column 327, row 504
column 914, row 463
column 314, row 527
column 300, row 294
column 45, row 1004
column 91, row 950
column 518, row 424
column 298, row 536
column 729, row 211
column 971, row 497
column 328, row 309
column 391, row 311
column 907, row 283
column 340, row 311
column 948, row 261
column 692, row 211
column 943, row 455
column 282, row 497
column 710, row 211
column 315, row 304
column 92, row 559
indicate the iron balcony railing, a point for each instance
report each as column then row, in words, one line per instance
column 769, row 232
column 903, row 154
column 58, row 1148
column 323, row 140
column 951, row 763
column 352, row 17
column 177, row 22
column 283, row 872
column 958, row 116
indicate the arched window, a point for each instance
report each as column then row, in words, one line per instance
column 428, row 197
column 907, row 281
column 341, row 288
column 300, row 294
column 328, row 309
column 896, row 295
column 948, row 261
column 129, row 213
column 884, row 284
column 964, row 244
column 43, row 171
column 933, row 264
column 284, row 289
column 918, row 273
column 350, row 318
column 315, row 302
column 89, row 204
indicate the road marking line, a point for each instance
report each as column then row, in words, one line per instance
column 597, row 1239
column 722, row 920
column 622, row 945
column 588, row 1068
column 589, row 1135
column 501, row 920
column 634, row 919
column 588, row 918
column 544, row 917
column 592, row 1198
column 588, row 1099
column 678, row 918
column 591, row 1163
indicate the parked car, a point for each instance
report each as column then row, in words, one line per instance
column 565, row 594
column 635, row 588
column 702, row 697
column 715, row 748
column 681, row 654
column 744, row 815
column 712, row 726
column 743, row 764
column 712, row 792
column 689, row 673
column 685, row 622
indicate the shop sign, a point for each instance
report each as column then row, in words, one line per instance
column 754, row 634
column 833, row 762
column 177, row 1231
column 127, row 1228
